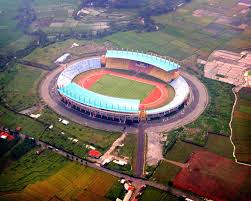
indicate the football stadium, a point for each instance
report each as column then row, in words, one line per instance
column 124, row 86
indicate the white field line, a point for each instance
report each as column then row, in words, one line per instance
column 231, row 129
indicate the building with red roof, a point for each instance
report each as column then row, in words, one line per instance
column 94, row 154
column 6, row 136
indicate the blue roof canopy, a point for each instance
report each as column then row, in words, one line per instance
column 84, row 96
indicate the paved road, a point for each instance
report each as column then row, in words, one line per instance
column 135, row 181
column 140, row 160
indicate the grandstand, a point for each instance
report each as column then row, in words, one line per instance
column 121, row 109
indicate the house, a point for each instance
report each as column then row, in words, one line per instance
column 94, row 154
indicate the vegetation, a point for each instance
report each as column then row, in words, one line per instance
column 165, row 172
column 100, row 139
column 22, row 148
column 19, row 86
column 6, row 145
column 116, row 191
column 134, row 89
column 29, row 169
column 71, row 181
column 153, row 194
column 126, row 169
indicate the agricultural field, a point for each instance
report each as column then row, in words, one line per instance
column 217, row 144
column 134, row 89
column 153, row 194
column 19, row 86
column 8, row 30
column 30, row 169
column 194, row 29
column 215, row 177
column 165, row 172
column 59, row 18
column 53, row 177
column 241, row 125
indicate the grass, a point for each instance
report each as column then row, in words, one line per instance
column 110, row 85
column 30, row 169
column 153, row 194
column 181, row 151
column 99, row 138
column 220, row 145
column 20, row 85
column 53, row 176
column 165, row 172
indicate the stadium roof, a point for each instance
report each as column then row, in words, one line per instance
column 84, row 96
column 161, row 63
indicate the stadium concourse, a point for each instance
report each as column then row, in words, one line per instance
column 116, row 108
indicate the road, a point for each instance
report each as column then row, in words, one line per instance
column 140, row 160
column 135, row 181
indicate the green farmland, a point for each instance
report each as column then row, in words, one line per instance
column 242, row 126
column 114, row 86
column 50, row 176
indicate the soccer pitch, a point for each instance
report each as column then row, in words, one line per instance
column 114, row 86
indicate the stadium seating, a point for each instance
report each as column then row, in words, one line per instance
column 117, row 63
column 72, row 71
column 181, row 89
column 139, row 67
column 86, row 97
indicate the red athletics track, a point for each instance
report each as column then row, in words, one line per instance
column 155, row 99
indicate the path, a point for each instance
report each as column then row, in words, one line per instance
column 182, row 165
column 107, row 155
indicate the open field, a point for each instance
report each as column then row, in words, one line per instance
column 153, row 194
column 50, row 176
column 19, row 84
column 242, row 125
column 30, row 169
column 110, row 85
column 86, row 135
column 215, row 177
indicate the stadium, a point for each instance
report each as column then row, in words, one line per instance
column 124, row 86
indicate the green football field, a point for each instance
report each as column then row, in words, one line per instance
column 114, row 86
